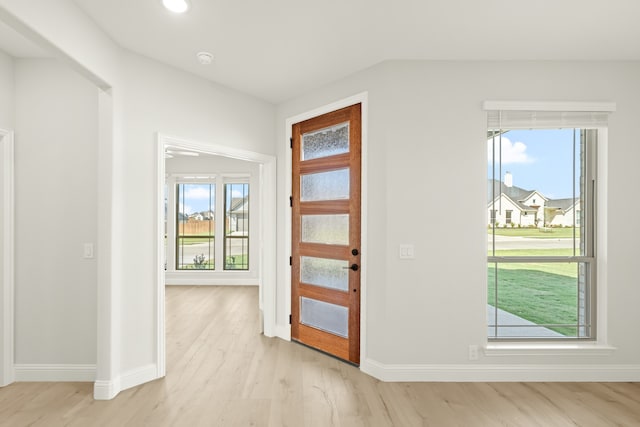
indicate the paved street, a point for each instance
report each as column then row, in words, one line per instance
column 510, row 242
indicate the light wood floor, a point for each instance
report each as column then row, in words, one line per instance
column 222, row 372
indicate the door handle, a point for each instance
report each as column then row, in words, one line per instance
column 353, row 267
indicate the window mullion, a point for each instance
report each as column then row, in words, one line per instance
column 219, row 224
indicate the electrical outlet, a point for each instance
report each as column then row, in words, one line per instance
column 406, row 251
column 473, row 352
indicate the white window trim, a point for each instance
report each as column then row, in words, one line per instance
column 549, row 106
column 501, row 349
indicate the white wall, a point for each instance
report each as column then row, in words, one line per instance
column 56, row 213
column 61, row 28
column 6, row 91
column 6, row 123
column 206, row 164
column 142, row 98
column 427, row 132
column 209, row 164
column 162, row 99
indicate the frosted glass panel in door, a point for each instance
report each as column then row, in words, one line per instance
column 333, row 185
column 325, row 142
column 325, row 316
column 327, row 229
column 328, row 273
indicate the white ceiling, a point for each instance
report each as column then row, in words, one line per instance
column 278, row 49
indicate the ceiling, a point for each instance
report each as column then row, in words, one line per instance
column 278, row 49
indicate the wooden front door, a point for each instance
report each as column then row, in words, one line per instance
column 325, row 274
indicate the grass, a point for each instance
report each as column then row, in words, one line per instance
column 537, row 233
column 207, row 265
column 237, row 262
column 543, row 293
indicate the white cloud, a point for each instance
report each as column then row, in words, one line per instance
column 512, row 152
column 198, row 193
column 185, row 209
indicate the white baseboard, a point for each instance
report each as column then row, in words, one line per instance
column 500, row 373
column 59, row 373
column 108, row 389
column 283, row 331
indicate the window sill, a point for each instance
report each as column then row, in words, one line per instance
column 548, row 349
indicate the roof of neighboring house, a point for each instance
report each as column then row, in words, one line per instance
column 517, row 194
column 562, row 204
column 238, row 204
column 518, row 204
column 513, row 192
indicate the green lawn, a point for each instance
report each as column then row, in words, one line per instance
column 547, row 233
column 543, row 293
column 207, row 265
column 237, row 262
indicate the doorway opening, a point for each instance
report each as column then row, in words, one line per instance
column 266, row 239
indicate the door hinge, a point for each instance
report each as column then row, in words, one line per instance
column 290, row 142
column 290, row 201
column 290, row 260
column 289, row 319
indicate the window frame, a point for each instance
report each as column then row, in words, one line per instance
column 219, row 181
column 225, row 236
column 588, row 258
column 200, row 180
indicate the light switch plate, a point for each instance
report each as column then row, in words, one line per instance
column 88, row 250
column 406, row 251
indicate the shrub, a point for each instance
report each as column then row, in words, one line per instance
column 199, row 261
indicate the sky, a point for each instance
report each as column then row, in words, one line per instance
column 539, row 159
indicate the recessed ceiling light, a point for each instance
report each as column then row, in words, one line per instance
column 176, row 6
column 205, row 58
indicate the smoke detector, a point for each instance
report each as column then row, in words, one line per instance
column 205, row 58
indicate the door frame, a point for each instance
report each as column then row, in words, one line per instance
column 7, row 371
column 285, row 300
column 266, row 235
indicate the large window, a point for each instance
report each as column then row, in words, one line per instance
column 195, row 228
column 541, row 224
column 236, row 233
column 211, row 222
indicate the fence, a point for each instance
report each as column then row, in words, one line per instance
column 196, row 228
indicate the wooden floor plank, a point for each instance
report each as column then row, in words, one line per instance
column 222, row 372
